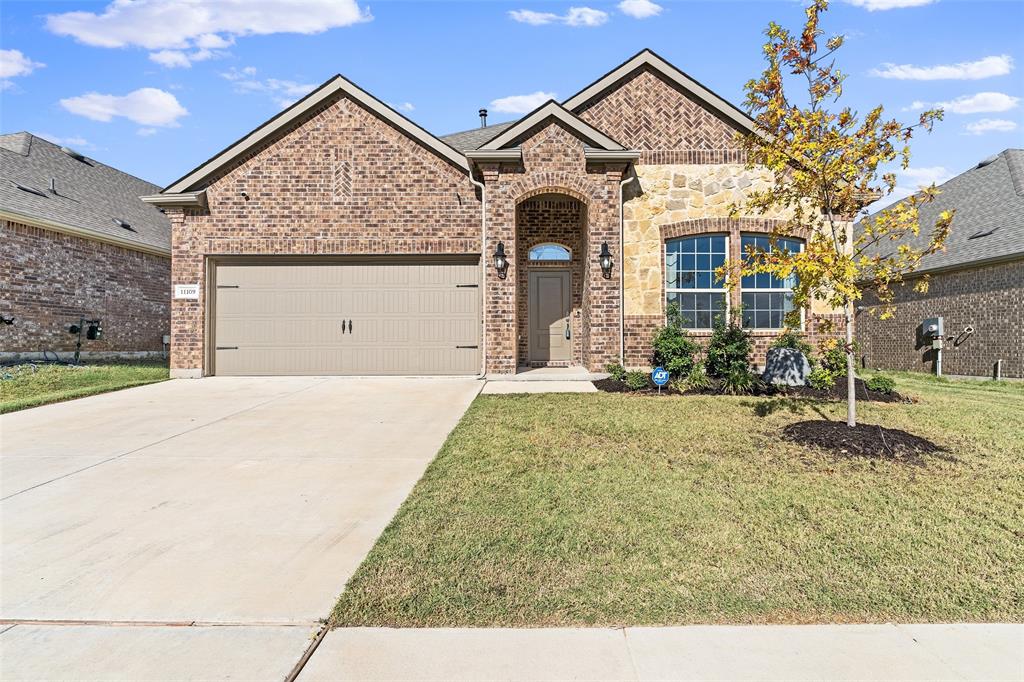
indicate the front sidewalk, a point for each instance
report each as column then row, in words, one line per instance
column 749, row 652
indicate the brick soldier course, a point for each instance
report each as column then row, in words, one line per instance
column 341, row 174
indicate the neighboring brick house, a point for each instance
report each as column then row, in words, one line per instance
column 78, row 243
column 976, row 284
column 341, row 238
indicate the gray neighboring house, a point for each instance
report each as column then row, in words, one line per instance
column 976, row 283
column 78, row 243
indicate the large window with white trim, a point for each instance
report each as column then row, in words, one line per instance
column 691, row 286
column 766, row 299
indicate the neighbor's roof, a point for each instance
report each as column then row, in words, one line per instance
column 989, row 220
column 90, row 196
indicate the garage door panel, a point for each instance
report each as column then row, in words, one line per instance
column 406, row 318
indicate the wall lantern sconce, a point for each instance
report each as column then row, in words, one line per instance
column 605, row 259
column 500, row 261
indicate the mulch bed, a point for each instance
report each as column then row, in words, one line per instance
column 864, row 440
column 837, row 392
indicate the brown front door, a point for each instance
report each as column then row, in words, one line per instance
column 550, row 306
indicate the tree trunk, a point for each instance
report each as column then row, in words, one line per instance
column 851, row 387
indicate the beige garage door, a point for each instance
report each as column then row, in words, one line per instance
column 399, row 318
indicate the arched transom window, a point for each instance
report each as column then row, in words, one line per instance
column 550, row 252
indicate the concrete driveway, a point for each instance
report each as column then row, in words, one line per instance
column 217, row 518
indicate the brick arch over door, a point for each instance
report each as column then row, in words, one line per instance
column 569, row 184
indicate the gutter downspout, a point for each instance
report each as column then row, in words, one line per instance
column 622, row 280
column 483, row 271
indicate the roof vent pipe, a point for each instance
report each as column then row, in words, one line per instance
column 53, row 185
column 483, row 118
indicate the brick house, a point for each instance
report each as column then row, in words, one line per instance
column 976, row 284
column 341, row 238
column 78, row 243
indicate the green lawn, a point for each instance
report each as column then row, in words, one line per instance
column 583, row 509
column 22, row 386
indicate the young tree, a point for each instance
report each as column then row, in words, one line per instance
column 825, row 162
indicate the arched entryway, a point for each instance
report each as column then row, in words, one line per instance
column 551, row 275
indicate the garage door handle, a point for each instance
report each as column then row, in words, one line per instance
column 350, row 326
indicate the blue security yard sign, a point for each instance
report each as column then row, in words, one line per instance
column 659, row 376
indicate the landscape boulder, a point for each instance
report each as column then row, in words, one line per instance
column 786, row 366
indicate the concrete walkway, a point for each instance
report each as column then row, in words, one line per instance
column 200, row 529
column 505, row 387
column 801, row 652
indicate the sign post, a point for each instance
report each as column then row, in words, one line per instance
column 660, row 377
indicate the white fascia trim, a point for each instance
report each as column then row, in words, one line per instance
column 297, row 110
column 192, row 199
column 74, row 231
column 553, row 108
column 648, row 58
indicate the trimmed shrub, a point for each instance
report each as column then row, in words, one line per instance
column 739, row 381
column 729, row 349
column 881, row 383
column 615, row 370
column 822, row 378
column 673, row 349
column 636, row 380
column 698, row 379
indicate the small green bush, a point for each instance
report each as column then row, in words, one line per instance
column 673, row 349
column 698, row 379
column 739, row 381
column 822, row 378
column 790, row 339
column 832, row 356
column 636, row 380
column 881, row 383
column 615, row 370
column 729, row 349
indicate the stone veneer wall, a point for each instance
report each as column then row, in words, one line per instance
column 692, row 199
column 341, row 182
column 989, row 298
column 50, row 280
column 557, row 219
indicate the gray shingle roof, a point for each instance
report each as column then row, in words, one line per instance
column 472, row 139
column 989, row 221
column 90, row 195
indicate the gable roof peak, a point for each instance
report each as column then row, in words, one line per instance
column 552, row 109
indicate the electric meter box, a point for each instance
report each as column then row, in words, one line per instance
column 933, row 327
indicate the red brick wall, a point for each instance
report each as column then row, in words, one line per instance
column 989, row 298
column 49, row 280
column 558, row 219
column 341, row 182
column 553, row 163
column 668, row 126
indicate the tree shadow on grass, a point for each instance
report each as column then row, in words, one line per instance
column 782, row 403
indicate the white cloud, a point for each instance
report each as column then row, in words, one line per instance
column 180, row 59
column 990, row 125
column 201, row 26
column 877, row 5
column 976, row 70
column 405, row 106
column 74, row 141
column 910, row 181
column 13, row 63
column 981, row 103
column 640, row 9
column 576, row 16
column 284, row 92
column 145, row 106
column 521, row 104
column 145, row 132
column 585, row 16
column 525, row 16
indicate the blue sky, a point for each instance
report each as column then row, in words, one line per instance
column 155, row 87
